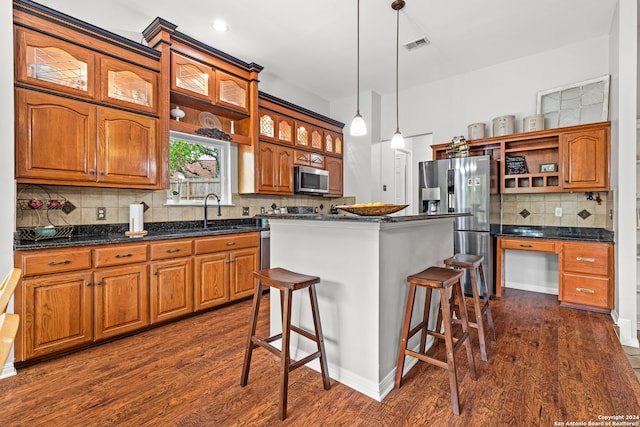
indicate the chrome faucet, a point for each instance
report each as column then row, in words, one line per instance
column 205, row 207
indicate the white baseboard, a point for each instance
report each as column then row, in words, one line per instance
column 543, row 288
column 8, row 370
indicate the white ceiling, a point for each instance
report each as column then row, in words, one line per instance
column 312, row 43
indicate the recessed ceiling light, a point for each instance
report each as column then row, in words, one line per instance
column 220, row 26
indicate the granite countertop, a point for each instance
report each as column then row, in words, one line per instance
column 554, row 233
column 87, row 235
column 358, row 218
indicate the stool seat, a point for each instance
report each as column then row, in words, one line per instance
column 441, row 280
column 287, row 282
column 472, row 263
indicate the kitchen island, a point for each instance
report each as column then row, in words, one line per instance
column 362, row 263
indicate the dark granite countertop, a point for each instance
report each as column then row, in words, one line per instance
column 357, row 218
column 87, row 235
column 554, row 233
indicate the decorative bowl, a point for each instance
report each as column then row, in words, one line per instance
column 372, row 210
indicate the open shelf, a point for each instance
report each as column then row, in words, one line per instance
column 538, row 182
column 192, row 128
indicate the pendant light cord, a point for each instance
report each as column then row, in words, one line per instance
column 397, row 60
column 358, row 64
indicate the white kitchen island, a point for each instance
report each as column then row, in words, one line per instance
column 363, row 263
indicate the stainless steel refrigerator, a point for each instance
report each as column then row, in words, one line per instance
column 461, row 185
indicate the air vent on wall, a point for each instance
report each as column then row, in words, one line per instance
column 423, row 41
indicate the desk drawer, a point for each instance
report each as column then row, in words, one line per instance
column 528, row 245
column 226, row 243
column 119, row 255
column 586, row 290
column 589, row 258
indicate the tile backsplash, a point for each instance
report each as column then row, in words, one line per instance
column 539, row 209
column 116, row 201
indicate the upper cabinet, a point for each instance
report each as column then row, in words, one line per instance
column 585, row 159
column 92, row 90
column 232, row 92
column 191, row 77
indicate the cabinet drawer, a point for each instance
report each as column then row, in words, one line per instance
column 173, row 249
column 590, row 258
column 528, row 245
column 118, row 255
column 55, row 261
column 226, row 243
column 585, row 290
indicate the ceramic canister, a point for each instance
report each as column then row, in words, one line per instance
column 533, row 123
column 504, row 125
column 476, row 130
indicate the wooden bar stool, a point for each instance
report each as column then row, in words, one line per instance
column 440, row 279
column 287, row 282
column 473, row 263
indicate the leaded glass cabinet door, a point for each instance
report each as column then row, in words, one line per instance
column 316, row 139
column 191, row 77
column 128, row 85
column 285, row 130
column 268, row 122
column 54, row 64
column 328, row 143
column 232, row 92
column 302, row 134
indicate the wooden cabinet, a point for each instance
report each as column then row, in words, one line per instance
column 127, row 85
column 275, row 128
column 191, row 77
column 232, row 92
column 307, row 158
column 585, row 160
column 334, row 167
column 275, row 168
column 224, row 268
column 586, row 278
column 317, row 138
column 170, row 283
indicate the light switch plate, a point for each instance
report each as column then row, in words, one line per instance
column 558, row 211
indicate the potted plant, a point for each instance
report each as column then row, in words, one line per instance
column 175, row 196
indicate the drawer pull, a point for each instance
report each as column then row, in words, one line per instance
column 586, row 291
column 66, row 261
column 526, row 246
column 124, row 256
column 89, row 283
column 171, row 251
column 230, row 243
column 580, row 258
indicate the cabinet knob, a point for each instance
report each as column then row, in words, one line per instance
column 89, row 283
column 99, row 283
column 101, row 172
column 92, row 171
column 155, row 273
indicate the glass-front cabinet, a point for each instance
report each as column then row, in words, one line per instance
column 232, row 92
column 127, row 85
column 191, row 77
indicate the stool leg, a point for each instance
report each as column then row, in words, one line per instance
column 478, row 311
column 485, row 297
column 405, row 333
column 252, row 331
column 285, row 352
column 425, row 320
column 451, row 361
column 465, row 330
column 324, row 368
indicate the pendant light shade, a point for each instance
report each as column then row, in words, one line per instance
column 358, row 125
column 397, row 141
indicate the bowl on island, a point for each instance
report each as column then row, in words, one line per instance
column 371, row 209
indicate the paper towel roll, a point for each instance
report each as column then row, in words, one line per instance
column 136, row 221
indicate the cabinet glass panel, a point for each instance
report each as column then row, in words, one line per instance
column 189, row 77
column 266, row 126
column 316, row 140
column 284, row 131
column 338, row 145
column 128, row 86
column 232, row 93
column 302, row 136
column 54, row 65
column 328, row 143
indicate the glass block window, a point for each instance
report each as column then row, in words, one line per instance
column 338, row 142
column 284, row 131
column 316, row 140
column 54, row 65
column 266, row 126
column 191, row 78
column 232, row 93
column 128, row 86
column 328, row 143
column 302, row 136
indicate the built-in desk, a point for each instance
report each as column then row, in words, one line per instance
column 585, row 265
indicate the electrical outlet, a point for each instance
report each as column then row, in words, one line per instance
column 558, row 211
column 245, row 211
column 101, row 213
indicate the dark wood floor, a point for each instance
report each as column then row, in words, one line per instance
column 549, row 364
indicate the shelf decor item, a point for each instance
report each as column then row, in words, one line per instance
column 548, row 167
column 177, row 113
column 43, row 207
column 515, row 165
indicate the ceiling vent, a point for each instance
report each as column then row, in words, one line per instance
column 423, row 41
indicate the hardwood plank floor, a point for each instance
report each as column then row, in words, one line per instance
column 549, row 364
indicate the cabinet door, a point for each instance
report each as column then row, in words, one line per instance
column 57, row 314
column 43, row 123
column 585, row 160
column 121, row 300
column 316, row 160
column 590, row 291
column 268, row 123
column 54, row 64
column 232, row 92
column 127, row 148
column 328, row 142
column 337, row 144
column 211, row 281
column 285, row 170
column 242, row 265
column 301, row 158
column 317, row 137
column 303, row 135
column 170, row 289
column 285, row 130
column 334, row 167
column 267, row 174
column 127, row 85
column 191, row 77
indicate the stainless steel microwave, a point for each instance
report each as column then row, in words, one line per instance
column 311, row 180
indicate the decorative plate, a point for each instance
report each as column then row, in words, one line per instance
column 209, row 120
column 372, row 210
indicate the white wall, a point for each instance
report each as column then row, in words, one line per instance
column 7, row 224
column 273, row 85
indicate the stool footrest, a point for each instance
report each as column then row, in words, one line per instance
column 304, row 361
column 419, row 327
column 304, row 333
column 428, row 359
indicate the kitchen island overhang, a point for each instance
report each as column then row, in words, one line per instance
column 363, row 263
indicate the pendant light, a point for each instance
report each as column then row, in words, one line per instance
column 397, row 141
column 358, row 126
